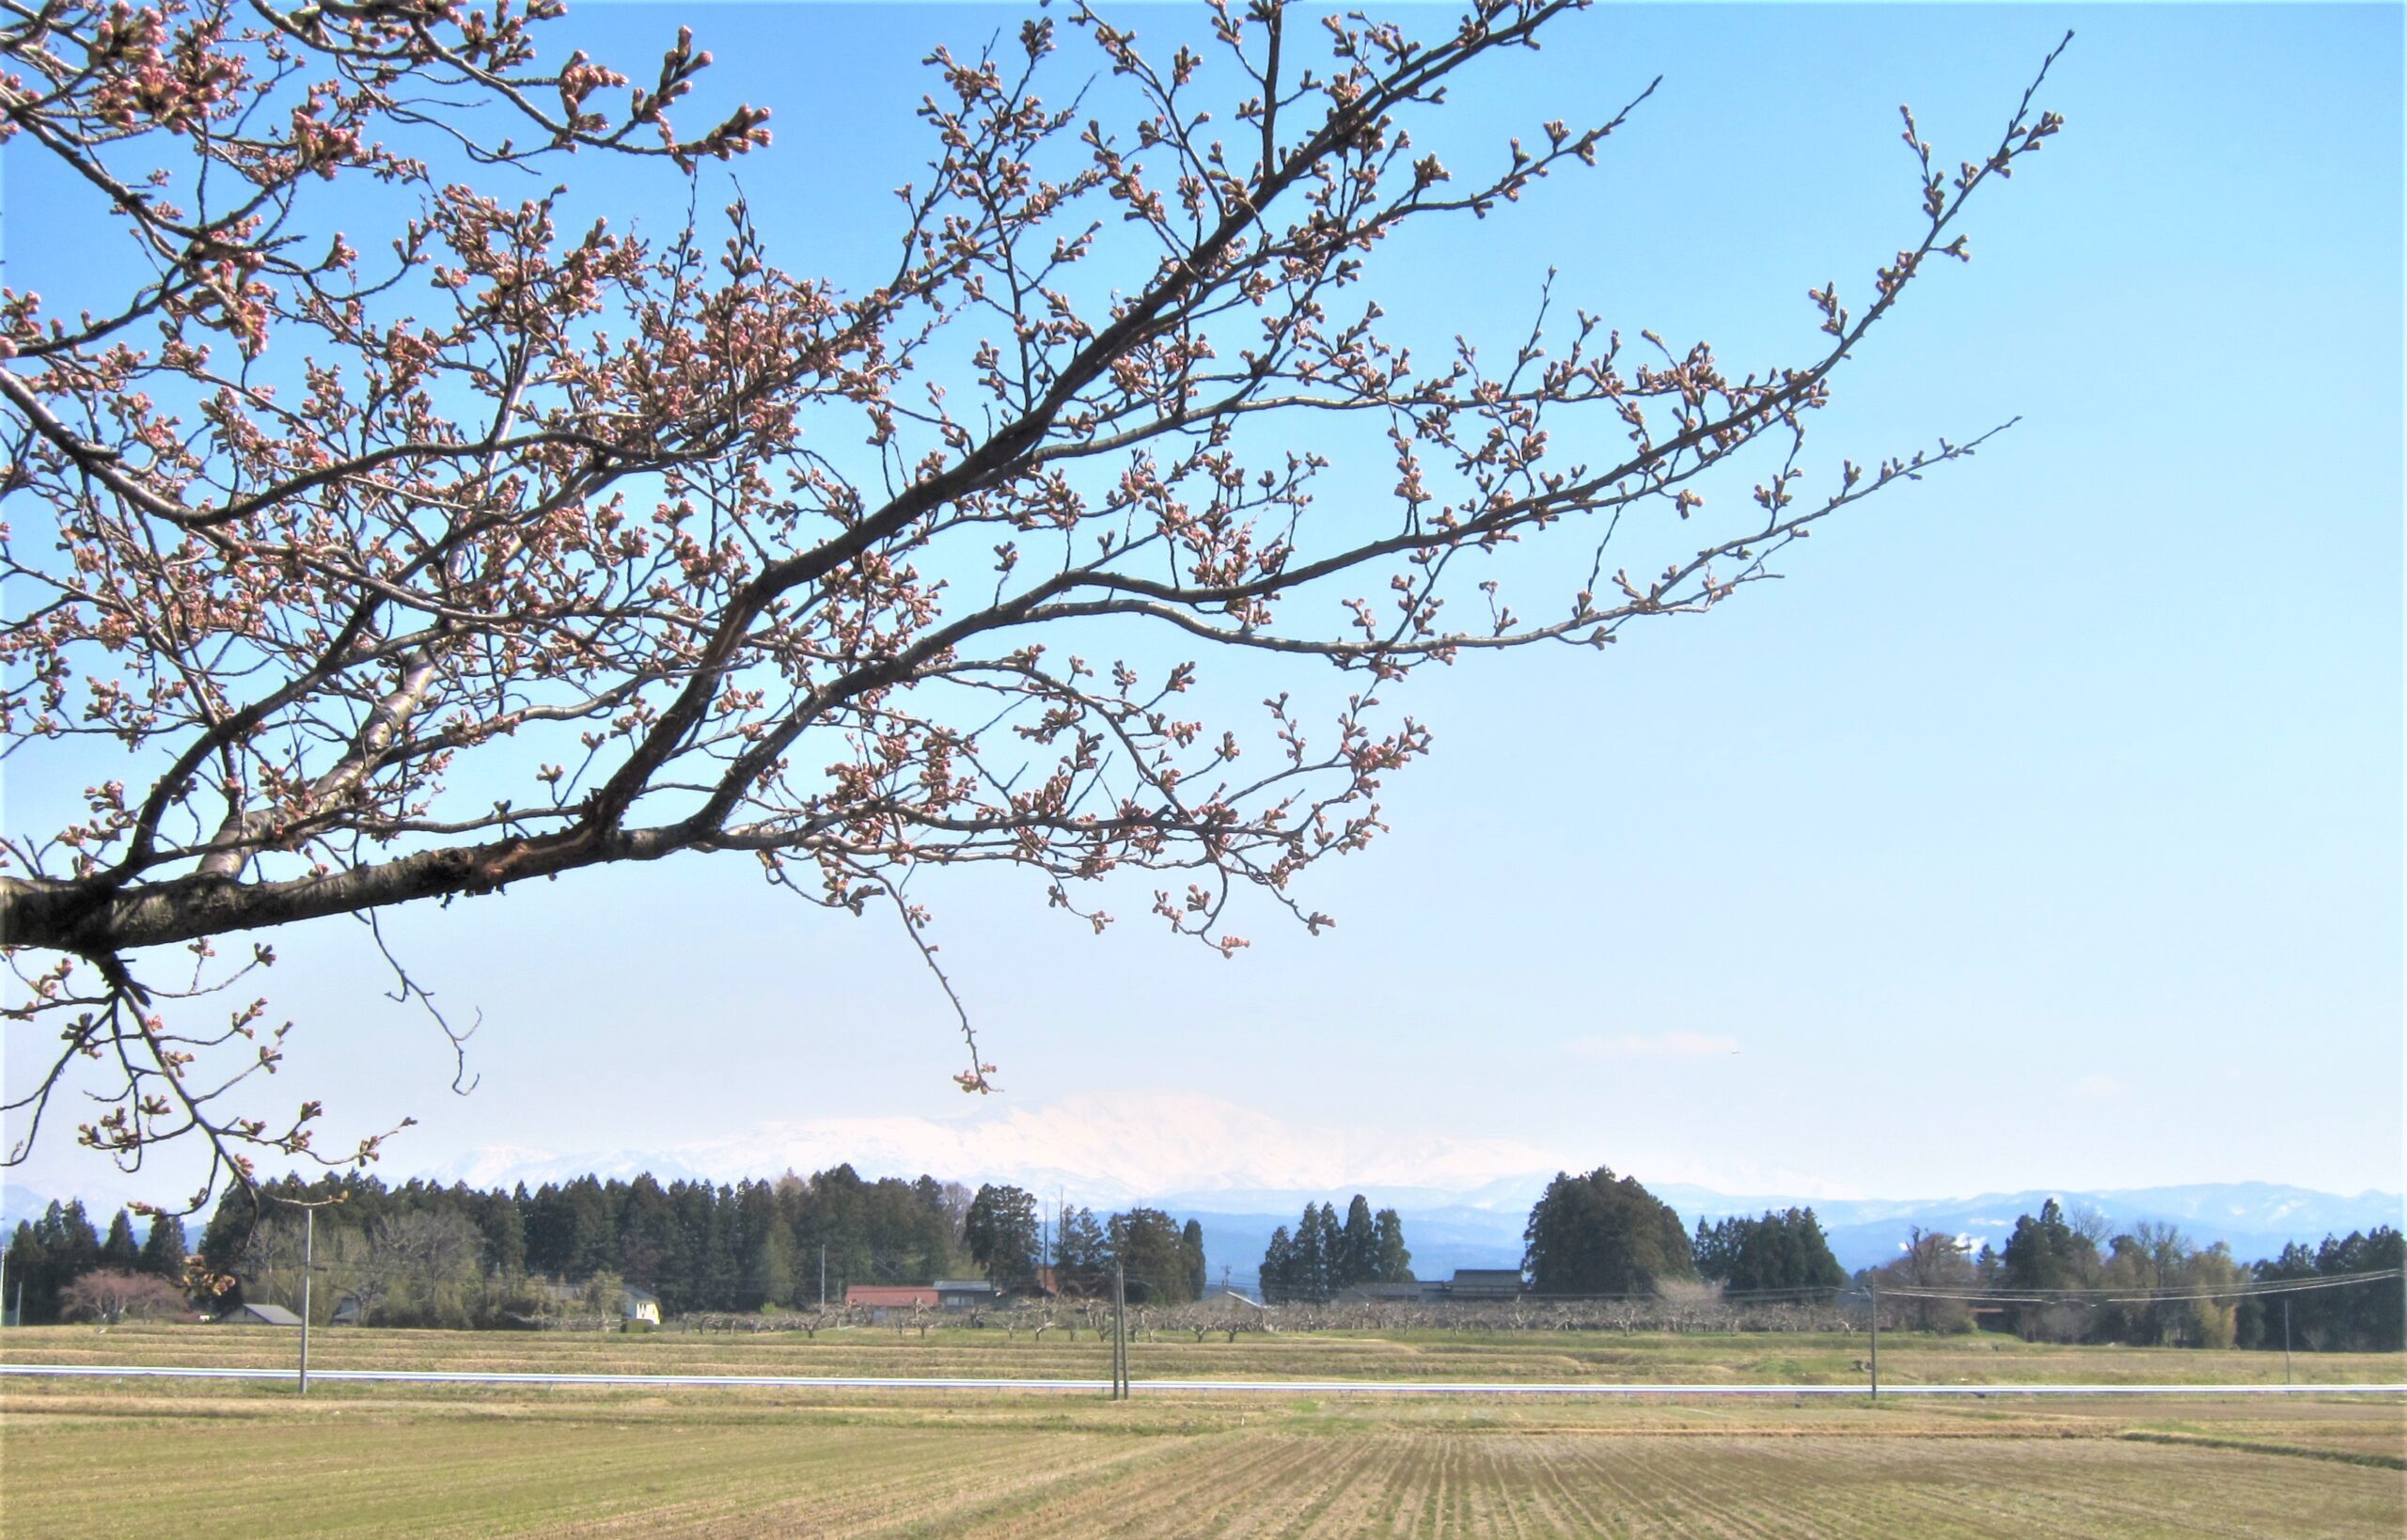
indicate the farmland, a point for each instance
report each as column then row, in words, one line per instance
column 372, row 1459
column 1486, row 1356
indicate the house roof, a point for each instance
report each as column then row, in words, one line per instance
column 261, row 1316
column 1380, row 1291
column 963, row 1286
column 890, row 1294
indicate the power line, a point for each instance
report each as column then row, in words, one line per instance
column 2107, row 1295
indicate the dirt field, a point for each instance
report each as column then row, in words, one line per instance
column 252, row 1459
column 1591, row 1358
column 349, row 1462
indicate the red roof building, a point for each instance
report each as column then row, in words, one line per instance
column 889, row 1295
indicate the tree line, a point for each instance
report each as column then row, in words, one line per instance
column 424, row 1254
column 1006, row 1235
column 60, row 1264
column 421, row 1254
column 1600, row 1235
column 1322, row 1257
column 2058, row 1249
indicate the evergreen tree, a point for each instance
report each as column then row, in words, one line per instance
column 1308, row 1272
column 504, row 1228
column 1710, row 1248
column 1081, row 1252
column 1278, row 1267
column 1190, row 1246
column 163, row 1248
column 120, row 1252
column 2046, row 1254
column 1147, row 1243
column 76, row 1250
column 1395, row 1262
column 1784, row 1250
column 1358, row 1247
column 1003, row 1233
column 593, row 1229
column 31, row 1296
column 1601, row 1235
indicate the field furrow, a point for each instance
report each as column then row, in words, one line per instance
column 362, row 1460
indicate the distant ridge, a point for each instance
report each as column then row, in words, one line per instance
column 1243, row 1172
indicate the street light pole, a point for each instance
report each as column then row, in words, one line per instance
column 308, row 1208
column 308, row 1263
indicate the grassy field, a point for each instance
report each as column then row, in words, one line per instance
column 1586, row 1357
column 358, row 1461
column 252, row 1459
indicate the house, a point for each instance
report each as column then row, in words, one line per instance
column 962, row 1294
column 1229, row 1301
column 1381, row 1294
column 883, row 1300
column 350, row 1311
column 1475, row 1284
column 260, row 1316
column 1040, row 1285
column 635, row 1305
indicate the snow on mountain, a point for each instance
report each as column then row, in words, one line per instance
column 1099, row 1149
column 1463, row 1200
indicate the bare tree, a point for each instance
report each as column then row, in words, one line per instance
column 110, row 1295
column 1935, row 1262
column 407, row 566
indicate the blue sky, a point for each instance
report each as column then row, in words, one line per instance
column 2043, row 827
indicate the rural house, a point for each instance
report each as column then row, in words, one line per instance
column 883, row 1299
column 1475, row 1284
column 960, row 1294
column 260, row 1316
column 1381, row 1294
column 1042, row 1285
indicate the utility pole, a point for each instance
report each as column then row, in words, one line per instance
column 1876, row 1340
column 308, row 1254
column 2286, row 1340
column 1118, row 1331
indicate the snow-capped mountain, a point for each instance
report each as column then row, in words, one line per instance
column 1101, row 1150
column 1243, row 1172
column 1463, row 1201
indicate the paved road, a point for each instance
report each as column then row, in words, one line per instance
column 1240, row 1386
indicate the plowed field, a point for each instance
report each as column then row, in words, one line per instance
column 1489, row 1357
column 254, row 1461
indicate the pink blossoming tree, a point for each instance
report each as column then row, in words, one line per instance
column 399, row 565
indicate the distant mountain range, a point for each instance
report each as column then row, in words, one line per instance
column 1242, row 1173
column 2256, row 1218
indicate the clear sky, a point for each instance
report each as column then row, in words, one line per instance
column 2043, row 827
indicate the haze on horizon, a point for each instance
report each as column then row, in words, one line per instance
column 2042, row 828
